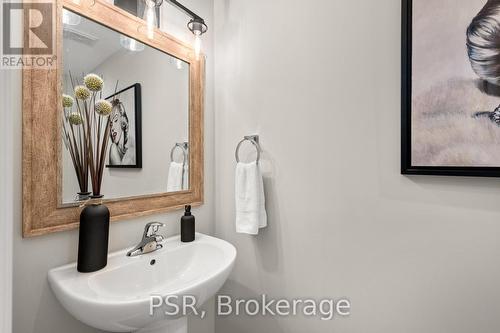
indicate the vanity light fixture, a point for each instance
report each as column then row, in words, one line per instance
column 196, row 25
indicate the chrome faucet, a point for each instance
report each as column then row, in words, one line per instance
column 150, row 242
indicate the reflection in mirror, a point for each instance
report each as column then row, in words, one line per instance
column 148, row 148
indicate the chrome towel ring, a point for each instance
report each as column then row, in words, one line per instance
column 254, row 139
column 184, row 146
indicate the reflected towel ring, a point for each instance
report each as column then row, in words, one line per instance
column 184, row 147
column 254, row 139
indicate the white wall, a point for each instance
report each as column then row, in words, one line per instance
column 35, row 308
column 6, row 200
column 319, row 80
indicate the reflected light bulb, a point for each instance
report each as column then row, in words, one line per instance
column 131, row 44
column 150, row 17
column 70, row 18
column 197, row 46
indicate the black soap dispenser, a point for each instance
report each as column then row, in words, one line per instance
column 187, row 225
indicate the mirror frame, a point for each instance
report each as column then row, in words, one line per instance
column 43, row 210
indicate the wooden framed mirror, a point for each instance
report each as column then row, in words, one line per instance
column 48, row 177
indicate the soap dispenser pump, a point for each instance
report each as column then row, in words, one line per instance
column 187, row 225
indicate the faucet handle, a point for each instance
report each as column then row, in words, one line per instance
column 152, row 228
column 159, row 239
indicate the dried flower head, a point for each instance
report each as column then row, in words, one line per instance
column 75, row 118
column 67, row 101
column 81, row 92
column 103, row 107
column 93, row 82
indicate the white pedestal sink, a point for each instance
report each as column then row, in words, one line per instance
column 117, row 298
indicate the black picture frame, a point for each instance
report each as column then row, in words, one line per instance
column 138, row 127
column 406, row 102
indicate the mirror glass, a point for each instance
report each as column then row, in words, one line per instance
column 147, row 148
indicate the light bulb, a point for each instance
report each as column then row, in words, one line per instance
column 150, row 17
column 70, row 18
column 198, row 27
column 197, row 45
column 178, row 64
column 131, row 44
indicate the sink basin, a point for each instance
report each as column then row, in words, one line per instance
column 118, row 297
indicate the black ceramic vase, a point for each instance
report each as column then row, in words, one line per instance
column 93, row 240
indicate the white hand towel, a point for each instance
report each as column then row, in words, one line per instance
column 185, row 177
column 174, row 182
column 250, row 202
